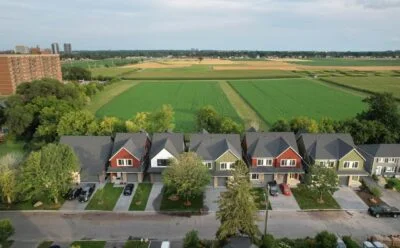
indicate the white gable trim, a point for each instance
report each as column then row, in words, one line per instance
column 167, row 155
column 126, row 151
column 354, row 149
column 229, row 150
column 291, row 148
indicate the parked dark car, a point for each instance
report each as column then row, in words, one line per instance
column 273, row 188
column 129, row 189
column 87, row 192
column 73, row 193
column 55, row 246
column 384, row 211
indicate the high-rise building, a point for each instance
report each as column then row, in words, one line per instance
column 67, row 48
column 16, row 69
column 54, row 48
column 21, row 49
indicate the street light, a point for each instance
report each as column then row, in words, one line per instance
column 266, row 212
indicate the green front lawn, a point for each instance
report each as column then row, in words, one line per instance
column 308, row 200
column 178, row 205
column 136, row 244
column 141, row 196
column 89, row 244
column 45, row 244
column 28, row 205
column 105, row 198
column 10, row 146
column 259, row 198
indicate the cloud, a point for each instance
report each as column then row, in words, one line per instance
column 379, row 4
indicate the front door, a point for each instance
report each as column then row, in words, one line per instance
column 378, row 170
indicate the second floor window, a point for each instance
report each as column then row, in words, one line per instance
column 124, row 162
column 350, row 164
column 162, row 162
column 208, row 165
column 227, row 166
column 288, row 162
column 264, row 162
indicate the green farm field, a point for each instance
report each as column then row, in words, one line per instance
column 370, row 84
column 276, row 99
column 349, row 62
column 112, row 71
column 186, row 97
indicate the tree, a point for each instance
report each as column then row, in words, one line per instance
column 304, row 124
column 268, row 241
column 8, row 176
column 138, row 123
column 162, row 120
column 76, row 73
column 280, row 126
column 326, row 125
column 191, row 240
column 109, row 125
column 322, row 180
column 208, row 118
column 77, row 123
column 6, row 230
column 187, row 175
column 237, row 209
column 227, row 125
column 49, row 172
column 19, row 118
column 325, row 240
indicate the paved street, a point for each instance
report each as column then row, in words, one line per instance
column 118, row 226
column 348, row 199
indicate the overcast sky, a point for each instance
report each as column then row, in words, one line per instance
column 204, row 24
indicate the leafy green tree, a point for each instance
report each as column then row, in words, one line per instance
column 49, row 172
column 208, row 118
column 187, row 175
column 162, row 120
column 8, row 176
column 327, row 125
column 280, row 126
column 191, row 240
column 322, row 180
column 230, row 126
column 80, row 122
column 138, row 123
column 6, row 230
column 76, row 73
column 268, row 241
column 237, row 209
column 19, row 119
column 304, row 124
column 325, row 239
column 349, row 242
column 109, row 126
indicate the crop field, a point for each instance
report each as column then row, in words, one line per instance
column 276, row 99
column 111, row 71
column 186, row 97
column 371, row 84
column 348, row 62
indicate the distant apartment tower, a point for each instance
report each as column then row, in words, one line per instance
column 16, row 69
column 55, row 49
column 21, row 49
column 67, row 48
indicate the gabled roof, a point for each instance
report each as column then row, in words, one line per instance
column 134, row 143
column 381, row 150
column 327, row 145
column 212, row 146
column 93, row 153
column 172, row 142
column 269, row 144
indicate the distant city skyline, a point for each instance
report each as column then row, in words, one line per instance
column 317, row 25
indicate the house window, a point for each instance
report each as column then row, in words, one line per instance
column 162, row 162
column 391, row 160
column 380, row 160
column 292, row 176
column 227, row 166
column 124, row 162
column 389, row 169
column 288, row 162
column 322, row 163
column 269, row 162
column 350, row 164
column 260, row 162
column 331, row 164
column 208, row 165
column 223, row 166
column 386, row 160
column 255, row 176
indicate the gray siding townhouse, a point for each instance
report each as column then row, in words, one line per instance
column 219, row 153
column 382, row 159
column 336, row 151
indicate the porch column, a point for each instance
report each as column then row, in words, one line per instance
column 215, row 182
column 140, row 177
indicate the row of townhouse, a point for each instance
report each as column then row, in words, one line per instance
column 279, row 156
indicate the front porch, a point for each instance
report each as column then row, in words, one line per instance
column 261, row 179
column 124, row 177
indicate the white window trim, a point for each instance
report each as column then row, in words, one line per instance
column 389, row 169
column 351, row 164
column 288, row 163
column 251, row 176
column 228, row 165
column 207, row 163
column 265, row 161
column 124, row 162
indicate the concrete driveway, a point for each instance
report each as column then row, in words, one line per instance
column 283, row 202
column 75, row 205
column 124, row 201
column 155, row 197
column 349, row 200
column 211, row 198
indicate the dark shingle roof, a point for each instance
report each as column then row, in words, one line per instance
column 212, row 146
column 327, row 145
column 270, row 144
column 134, row 143
column 172, row 142
column 93, row 153
column 381, row 150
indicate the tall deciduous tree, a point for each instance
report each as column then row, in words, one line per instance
column 109, row 125
column 187, row 175
column 8, row 176
column 49, row 172
column 322, row 180
column 77, row 123
column 208, row 118
column 305, row 124
column 162, row 120
column 138, row 123
column 237, row 209
column 280, row 126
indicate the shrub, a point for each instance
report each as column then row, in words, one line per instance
column 268, row 241
column 393, row 183
column 191, row 240
column 325, row 240
column 375, row 177
column 6, row 230
column 349, row 242
column 375, row 191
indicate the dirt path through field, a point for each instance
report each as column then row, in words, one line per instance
column 245, row 112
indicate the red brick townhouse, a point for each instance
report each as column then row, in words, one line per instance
column 272, row 156
column 129, row 157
